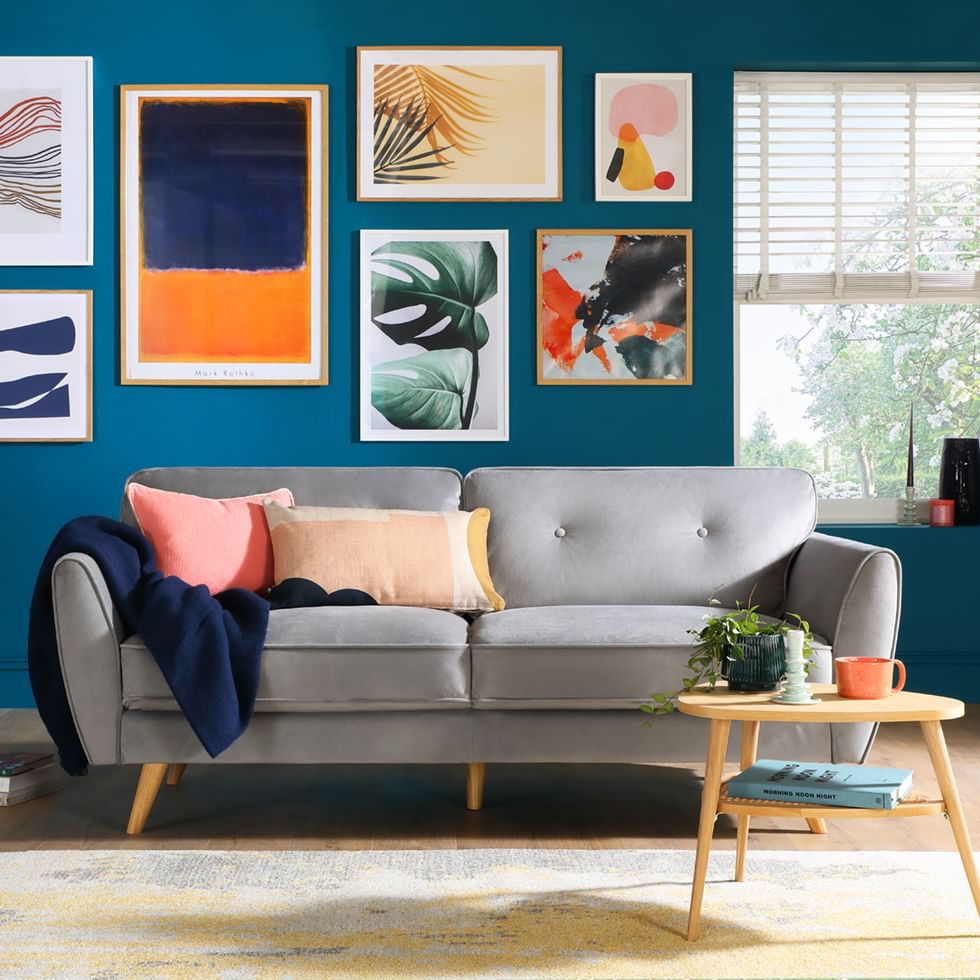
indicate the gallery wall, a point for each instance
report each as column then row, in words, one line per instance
column 309, row 41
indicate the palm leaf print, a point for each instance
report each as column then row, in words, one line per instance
column 397, row 135
column 453, row 108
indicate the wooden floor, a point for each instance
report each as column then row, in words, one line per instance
column 403, row 807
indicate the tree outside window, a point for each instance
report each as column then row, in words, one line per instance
column 856, row 371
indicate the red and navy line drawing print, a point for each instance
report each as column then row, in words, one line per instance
column 37, row 396
column 30, row 155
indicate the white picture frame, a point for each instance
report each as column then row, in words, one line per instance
column 45, row 365
column 47, row 158
column 658, row 107
column 432, row 344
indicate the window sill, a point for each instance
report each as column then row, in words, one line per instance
column 880, row 510
column 828, row 527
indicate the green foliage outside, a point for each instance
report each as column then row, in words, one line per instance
column 864, row 365
column 762, row 448
column 862, row 373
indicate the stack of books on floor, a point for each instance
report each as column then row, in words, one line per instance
column 24, row 775
column 822, row 784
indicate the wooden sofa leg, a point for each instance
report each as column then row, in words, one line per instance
column 475, row 772
column 151, row 778
column 176, row 773
column 817, row 825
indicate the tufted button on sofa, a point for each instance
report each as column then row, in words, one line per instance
column 604, row 571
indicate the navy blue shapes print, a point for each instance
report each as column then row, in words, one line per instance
column 54, row 405
column 38, row 396
column 47, row 337
column 17, row 392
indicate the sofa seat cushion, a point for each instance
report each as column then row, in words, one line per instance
column 592, row 657
column 338, row 658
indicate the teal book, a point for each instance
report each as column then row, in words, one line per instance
column 822, row 784
column 14, row 763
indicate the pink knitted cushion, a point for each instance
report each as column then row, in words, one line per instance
column 222, row 544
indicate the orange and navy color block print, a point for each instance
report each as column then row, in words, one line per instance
column 225, row 216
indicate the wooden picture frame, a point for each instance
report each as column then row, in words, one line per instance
column 459, row 123
column 641, row 328
column 46, row 138
column 45, row 365
column 208, row 295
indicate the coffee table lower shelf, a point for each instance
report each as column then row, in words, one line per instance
column 912, row 806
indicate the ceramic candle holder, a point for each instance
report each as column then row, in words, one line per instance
column 795, row 690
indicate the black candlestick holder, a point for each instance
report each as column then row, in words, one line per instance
column 959, row 478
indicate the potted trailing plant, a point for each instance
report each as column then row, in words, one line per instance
column 740, row 647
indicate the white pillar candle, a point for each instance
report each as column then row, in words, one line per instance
column 794, row 644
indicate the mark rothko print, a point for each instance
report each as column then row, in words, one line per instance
column 227, row 257
column 643, row 137
column 45, row 161
column 459, row 123
column 614, row 307
column 45, row 366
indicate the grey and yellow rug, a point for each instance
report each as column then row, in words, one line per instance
column 481, row 913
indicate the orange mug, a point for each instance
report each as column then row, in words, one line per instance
column 867, row 678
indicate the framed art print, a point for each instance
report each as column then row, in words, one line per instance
column 459, row 124
column 45, row 366
column 224, row 246
column 46, row 161
column 614, row 307
column 643, row 137
column 434, row 336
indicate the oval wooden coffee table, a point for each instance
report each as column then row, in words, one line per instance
column 721, row 707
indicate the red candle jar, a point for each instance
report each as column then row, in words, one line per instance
column 941, row 513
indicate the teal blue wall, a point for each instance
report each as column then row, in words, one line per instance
column 939, row 585
column 313, row 41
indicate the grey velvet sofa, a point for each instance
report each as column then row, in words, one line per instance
column 603, row 572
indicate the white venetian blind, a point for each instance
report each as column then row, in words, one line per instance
column 857, row 187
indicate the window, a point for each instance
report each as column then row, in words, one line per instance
column 857, row 277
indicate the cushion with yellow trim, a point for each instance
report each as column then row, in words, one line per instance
column 435, row 559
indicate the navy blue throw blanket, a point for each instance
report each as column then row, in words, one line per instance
column 208, row 647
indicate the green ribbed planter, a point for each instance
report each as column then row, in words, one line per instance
column 761, row 669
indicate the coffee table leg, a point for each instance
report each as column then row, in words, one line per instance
column 936, row 743
column 750, row 748
column 714, row 767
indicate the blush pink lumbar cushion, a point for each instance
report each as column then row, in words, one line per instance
column 223, row 544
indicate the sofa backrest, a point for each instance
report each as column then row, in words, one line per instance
column 595, row 536
column 402, row 488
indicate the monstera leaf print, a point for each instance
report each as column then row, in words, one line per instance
column 422, row 392
column 443, row 306
column 429, row 293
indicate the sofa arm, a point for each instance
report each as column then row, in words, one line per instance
column 89, row 633
column 849, row 592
